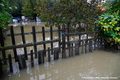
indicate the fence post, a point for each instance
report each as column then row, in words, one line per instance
column 44, row 44
column 24, row 42
column 71, row 49
column 83, row 50
column 63, row 42
column 86, row 43
column 101, row 42
column 10, row 63
column 34, row 40
column 2, row 45
column 21, row 62
column 68, row 39
column 39, row 58
column 79, row 43
column 13, row 42
column 32, row 59
column 51, row 37
column 95, row 42
column 49, row 58
column 43, row 56
column 59, row 37
column 77, row 48
column 56, row 54
column 1, row 67
column 90, row 46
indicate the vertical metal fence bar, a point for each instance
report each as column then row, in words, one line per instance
column 24, row 42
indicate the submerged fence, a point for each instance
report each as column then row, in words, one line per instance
column 68, row 45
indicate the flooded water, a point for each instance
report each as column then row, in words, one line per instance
column 99, row 65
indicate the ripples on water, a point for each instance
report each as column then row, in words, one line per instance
column 91, row 66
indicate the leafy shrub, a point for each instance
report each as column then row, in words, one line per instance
column 109, row 25
column 4, row 13
column 4, row 19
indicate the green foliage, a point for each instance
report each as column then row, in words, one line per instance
column 115, row 7
column 112, row 6
column 4, row 19
column 109, row 24
column 28, row 8
column 66, row 11
column 3, row 5
column 15, row 7
column 4, row 15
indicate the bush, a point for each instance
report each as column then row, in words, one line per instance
column 4, row 19
column 109, row 22
column 109, row 25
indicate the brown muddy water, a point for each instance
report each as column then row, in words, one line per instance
column 99, row 65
